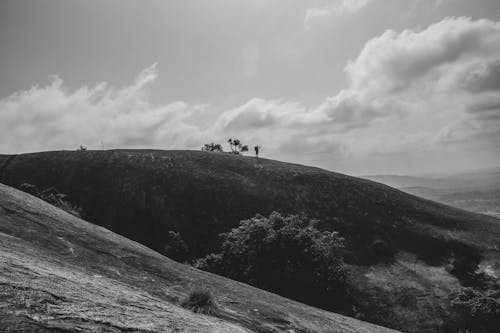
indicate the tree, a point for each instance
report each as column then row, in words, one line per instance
column 286, row 255
column 236, row 146
column 217, row 147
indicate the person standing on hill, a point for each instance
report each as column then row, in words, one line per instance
column 256, row 150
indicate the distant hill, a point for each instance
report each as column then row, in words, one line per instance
column 143, row 194
column 479, row 179
column 476, row 191
column 399, row 181
column 61, row 274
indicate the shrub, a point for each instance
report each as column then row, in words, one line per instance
column 175, row 247
column 287, row 255
column 52, row 196
column 217, row 147
column 31, row 189
column 481, row 308
column 200, row 300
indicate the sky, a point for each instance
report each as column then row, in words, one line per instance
column 354, row 86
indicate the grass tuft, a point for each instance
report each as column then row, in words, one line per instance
column 200, row 300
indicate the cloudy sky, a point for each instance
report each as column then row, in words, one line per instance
column 356, row 86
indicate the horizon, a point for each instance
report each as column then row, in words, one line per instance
column 362, row 87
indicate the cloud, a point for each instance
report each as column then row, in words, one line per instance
column 409, row 90
column 425, row 90
column 335, row 8
column 395, row 60
column 437, row 3
column 452, row 67
column 53, row 117
column 256, row 114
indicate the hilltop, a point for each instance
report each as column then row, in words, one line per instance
column 144, row 194
column 60, row 273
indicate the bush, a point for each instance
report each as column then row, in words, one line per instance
column 481, row 308
column 175, row 247
column 287, row 255
column 200, row 300
column 212, row 147
column 52, row 196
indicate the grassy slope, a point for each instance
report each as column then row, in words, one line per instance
column 60, row 273
column 142, row 194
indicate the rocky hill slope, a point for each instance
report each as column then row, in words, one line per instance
column 59, row 273
column 144, row 194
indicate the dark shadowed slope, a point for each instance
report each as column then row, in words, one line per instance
column 60, row 273
column 143, row 194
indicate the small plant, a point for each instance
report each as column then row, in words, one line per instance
column 200, row 300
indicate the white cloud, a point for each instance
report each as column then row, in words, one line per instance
column 451, row 64
column 395, row 61
column 422, row 90
column 409, row 90
column 334, row 8
column 52, row 117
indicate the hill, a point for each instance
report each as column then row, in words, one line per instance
column 476, row 191
column 481, row 179
column 62, row 274
column 144, row 194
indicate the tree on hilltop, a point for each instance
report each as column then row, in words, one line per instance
column 217, row 147
column 236, row 146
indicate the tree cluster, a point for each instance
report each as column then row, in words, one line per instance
column 287, row 255
column 217, row 147
column 235, row 145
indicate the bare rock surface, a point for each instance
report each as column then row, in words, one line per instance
column 60, row 273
